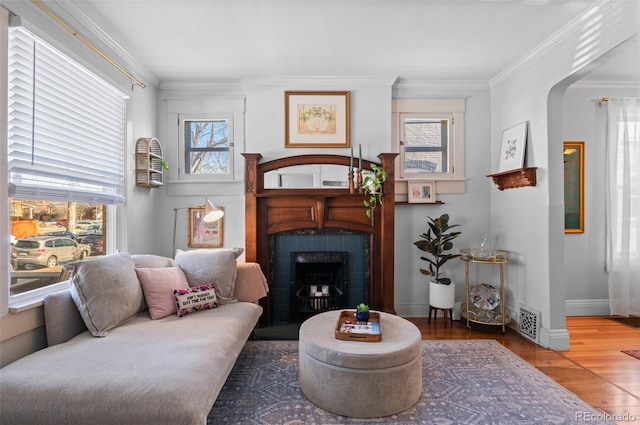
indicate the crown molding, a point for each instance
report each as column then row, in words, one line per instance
column 81, row 14
column 575, row 26
column 413, row 84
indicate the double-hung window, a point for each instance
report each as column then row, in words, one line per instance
column 65, row 155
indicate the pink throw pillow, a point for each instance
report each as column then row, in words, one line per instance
column 158, row 285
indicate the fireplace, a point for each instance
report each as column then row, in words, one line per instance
column 318, row 282
column 270, row 213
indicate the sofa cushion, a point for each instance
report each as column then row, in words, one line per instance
column 205, row 266
column 194, row 299
column 158, row 285
column 106, row 291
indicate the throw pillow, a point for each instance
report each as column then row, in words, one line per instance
column 194, row 299
column 204, row 266
column 106, row 291
column 158, row 285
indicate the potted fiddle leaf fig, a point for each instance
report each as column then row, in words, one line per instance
column 438, row 242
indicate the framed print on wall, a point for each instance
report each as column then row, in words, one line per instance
column 421, row 192
column 202, row 234
column 512, row 149
column 316, row 119
column 573, row 187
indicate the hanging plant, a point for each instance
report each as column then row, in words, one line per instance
column 372, row 187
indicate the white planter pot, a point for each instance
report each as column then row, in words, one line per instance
column 442, row 296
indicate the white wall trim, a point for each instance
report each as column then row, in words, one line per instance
column 587, row 307
column 555, row 339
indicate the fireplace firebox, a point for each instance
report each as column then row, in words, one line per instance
column 318, row 281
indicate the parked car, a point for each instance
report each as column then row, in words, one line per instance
column 46, row 251
column 62, row 233
column 95, row 242
column 95, row 228
column 83, row 224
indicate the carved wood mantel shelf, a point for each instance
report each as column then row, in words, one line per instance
column 272, row 211
column 519, row 177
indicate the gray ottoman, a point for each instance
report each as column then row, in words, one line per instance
column 361, row 379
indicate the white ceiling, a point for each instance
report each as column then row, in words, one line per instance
column 449, row 40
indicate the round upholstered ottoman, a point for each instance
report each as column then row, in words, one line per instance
column 361, row 379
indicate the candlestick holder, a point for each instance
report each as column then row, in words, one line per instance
column 352, row 189
column 359, row 180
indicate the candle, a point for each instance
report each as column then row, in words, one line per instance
column 360, row 156
column 351, row 160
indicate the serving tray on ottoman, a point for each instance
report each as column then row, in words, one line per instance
column 349, row 329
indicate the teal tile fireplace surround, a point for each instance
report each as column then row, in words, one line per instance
column 355, row 244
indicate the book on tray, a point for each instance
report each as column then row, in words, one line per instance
column 370, row 328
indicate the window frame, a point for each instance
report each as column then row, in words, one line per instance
column 183, row 151
column 452, row 181
column 27, row 300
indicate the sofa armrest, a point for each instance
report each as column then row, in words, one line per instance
column 61, row 317
column 251, row 284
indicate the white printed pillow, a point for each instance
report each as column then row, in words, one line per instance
column 196, row 298
column 204, row 266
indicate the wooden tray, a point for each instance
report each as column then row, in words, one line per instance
column 350, row 315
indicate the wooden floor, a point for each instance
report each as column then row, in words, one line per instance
column 594, row 368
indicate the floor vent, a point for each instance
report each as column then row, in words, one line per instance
column 529, row 319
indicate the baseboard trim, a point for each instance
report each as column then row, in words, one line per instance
column 587, row 307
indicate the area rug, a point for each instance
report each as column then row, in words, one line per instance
column 633, row 353
column 464, row 382
column 632, row 321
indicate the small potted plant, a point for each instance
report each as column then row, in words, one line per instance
column 437, row 241
column 362, row 312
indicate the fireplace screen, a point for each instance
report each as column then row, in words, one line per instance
column 319, row 282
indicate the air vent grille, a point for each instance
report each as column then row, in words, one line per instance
column 529, row 319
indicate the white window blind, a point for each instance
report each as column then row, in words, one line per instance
column 65, row 127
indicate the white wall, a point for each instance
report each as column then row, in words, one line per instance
column 584, row 120
column 470, row 209
column 531, row 220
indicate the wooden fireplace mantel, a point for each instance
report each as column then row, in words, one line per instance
column 272, row 211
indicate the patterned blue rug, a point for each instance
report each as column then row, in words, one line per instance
column 464, row 382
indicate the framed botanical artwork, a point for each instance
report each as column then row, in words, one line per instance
column 316, row 119
column 512, row 149
column 573, row 187
column 421, row 192
column 204, row 234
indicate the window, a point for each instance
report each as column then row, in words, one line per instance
column 206, row 146
column 425, row 143
column 429, row 137
column 65, row 156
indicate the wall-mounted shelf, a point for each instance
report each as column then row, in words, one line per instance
column 519, row 177
column 149, row 163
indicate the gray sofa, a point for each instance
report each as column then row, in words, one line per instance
column 144, row 371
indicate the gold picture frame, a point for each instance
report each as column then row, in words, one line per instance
column 316, row 119
column 421, row 192
column 202, row 234
column 573, row 186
